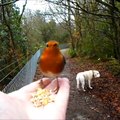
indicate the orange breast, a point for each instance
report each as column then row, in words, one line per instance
column 51, row 63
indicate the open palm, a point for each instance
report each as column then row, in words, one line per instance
column 17, row 105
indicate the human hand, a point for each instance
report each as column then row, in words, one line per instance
column 17, row 105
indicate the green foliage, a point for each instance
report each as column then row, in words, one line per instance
column 97, row 46
column 72, row 53
column 99, row 36
column 38, row 31
column 12, row 41
column 48, row 30
column 95, row 40
column 61, row 34
column 114, row 66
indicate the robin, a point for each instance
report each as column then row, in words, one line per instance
column 52, row 61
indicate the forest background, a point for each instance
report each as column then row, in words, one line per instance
column 90, row 27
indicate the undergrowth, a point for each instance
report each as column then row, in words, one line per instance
column 113, row 65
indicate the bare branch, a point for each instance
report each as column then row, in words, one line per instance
column 60, row 1
column 108, row 5
column 88, row 12
column 23, row 10
column 7, row 3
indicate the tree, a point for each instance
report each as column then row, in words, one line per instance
column 39, row 30
column 89, row 16
column 12, row 40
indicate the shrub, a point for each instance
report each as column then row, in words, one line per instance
column 114, row 66
column 72, row 53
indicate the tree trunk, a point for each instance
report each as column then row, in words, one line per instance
column 115, row 30
column 10, row 33
column 69, row 25
column 77, row 16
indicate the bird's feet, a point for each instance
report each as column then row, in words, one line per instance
column 44, row 82
column 56, row 88
column 53, row 86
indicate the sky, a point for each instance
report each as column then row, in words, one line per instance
column 33, row 5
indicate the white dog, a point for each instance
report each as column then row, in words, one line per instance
column 86, row 76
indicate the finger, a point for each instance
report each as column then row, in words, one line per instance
column 52, row 86
column 32, row 87
column 43, row 83
column 27, row 91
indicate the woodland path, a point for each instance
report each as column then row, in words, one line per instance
column 101, row 103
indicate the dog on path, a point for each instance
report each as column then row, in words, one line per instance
column 86, row 76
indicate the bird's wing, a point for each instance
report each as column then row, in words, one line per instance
column 64, row 59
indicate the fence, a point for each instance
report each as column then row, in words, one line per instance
column 27, row 73
column 25, row 76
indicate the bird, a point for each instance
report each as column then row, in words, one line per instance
column 51, row 62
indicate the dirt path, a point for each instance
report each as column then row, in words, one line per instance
column 93, row 104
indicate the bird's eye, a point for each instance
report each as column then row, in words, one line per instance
column 46, row 45
column 55, row 44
